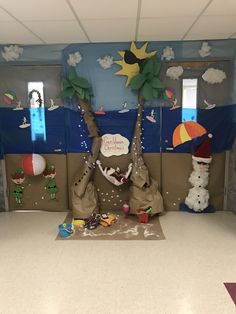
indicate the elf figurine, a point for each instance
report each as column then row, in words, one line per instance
column 51, row 185
column 18, row 178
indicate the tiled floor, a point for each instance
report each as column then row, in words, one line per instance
column 183, row 274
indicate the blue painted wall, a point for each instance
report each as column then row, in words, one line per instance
column 109, row 89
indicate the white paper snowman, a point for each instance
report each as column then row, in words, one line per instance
column 198, row 197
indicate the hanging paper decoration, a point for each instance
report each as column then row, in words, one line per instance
column 33, row 164
column 52, row 105
column 187, row 131
column 208, row 105
column 214, row 76
column 100, row 111
column 131, row 60
column 105, row 62
column 175, row 106
column 25, row 124
column 12, row 52
column 9, row 97
column 18, row 106
column 175, row 72
column 18, row 178
column 74, row 59
column 168, row 93
column 151, row 117
column 51, row 185
column 205, row 50
column 168, row 54
column 125, row 109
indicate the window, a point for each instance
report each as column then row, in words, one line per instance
column 189, row 100
column 37, row 113
column 36, row 94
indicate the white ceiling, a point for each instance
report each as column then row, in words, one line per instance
column 81, row 21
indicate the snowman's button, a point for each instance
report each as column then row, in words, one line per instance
column 198, row 196
column 199, row 177
column 199, row 202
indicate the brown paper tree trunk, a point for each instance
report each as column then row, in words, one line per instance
column 144, row 189
column 84, row 194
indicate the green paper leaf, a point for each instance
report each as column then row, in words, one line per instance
column 82, row 94
column 157, row 67
column 149, row 77
column 156, row 83
column 137, row 81
column 72, row 75
column 68, row 92
column 77, row 89
column 81, row 82
column 147, row 92
column 65, row 83
column 148, row 66
column 155, row 93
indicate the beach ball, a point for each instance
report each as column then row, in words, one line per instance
column 9, row 97
column 33, row 164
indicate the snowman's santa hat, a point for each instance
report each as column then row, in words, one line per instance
column 203, row 153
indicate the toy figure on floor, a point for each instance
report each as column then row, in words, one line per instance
column 18, row 178
column 197, row 199
column 51, row 185
column 115, row 176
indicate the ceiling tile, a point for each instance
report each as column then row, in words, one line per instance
column 154, row 8
column 56, row 32
column 201, row 36
column 105, row 9
column 14, row 33
column 213, row 27
column 34, row 10
column 4, row 17
column 219, row 7
column 110, row 30
column 159, row 29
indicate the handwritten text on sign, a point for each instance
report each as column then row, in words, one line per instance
column 114, row 145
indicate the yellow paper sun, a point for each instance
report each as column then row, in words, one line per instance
column 130, row 70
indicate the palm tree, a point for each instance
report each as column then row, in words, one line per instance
column 144, row 189
column 84, row 195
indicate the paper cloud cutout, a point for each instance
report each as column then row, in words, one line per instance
column 74, row 59
column 175, row 72
column 168, row 54
column 12, row 52
column 106, row 62
column 205, row 50
column 214, row 76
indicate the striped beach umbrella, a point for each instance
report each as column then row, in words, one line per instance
column 187, row 131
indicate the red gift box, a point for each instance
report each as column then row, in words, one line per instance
column 142, row 216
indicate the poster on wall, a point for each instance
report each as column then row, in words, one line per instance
column 114, row 145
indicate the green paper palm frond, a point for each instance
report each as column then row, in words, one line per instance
column 75, row 86
column 147, row 81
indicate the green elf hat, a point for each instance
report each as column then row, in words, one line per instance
column 50, row 166
column 19, row 170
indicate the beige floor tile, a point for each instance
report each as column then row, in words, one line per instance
column 183, row 274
